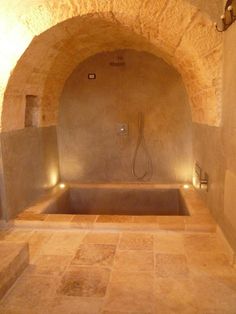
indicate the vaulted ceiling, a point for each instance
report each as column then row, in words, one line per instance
column 42, row 41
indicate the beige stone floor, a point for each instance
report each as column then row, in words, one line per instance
column 109, row 273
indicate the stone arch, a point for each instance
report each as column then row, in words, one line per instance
column 70, row 31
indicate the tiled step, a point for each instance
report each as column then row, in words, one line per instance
column 14, row 258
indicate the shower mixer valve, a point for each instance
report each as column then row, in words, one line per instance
column 201, row 178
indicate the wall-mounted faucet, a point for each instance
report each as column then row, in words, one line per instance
column 201, row 178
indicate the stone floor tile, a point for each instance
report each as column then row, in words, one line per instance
column 202, row 243
column 227, row 278
column 85, row 282
column 125, row 312
column 76, row 305
column 101, row 238
column 130, row 292
column 214, row 295
column 18, row 235
column 95, row 255
column 29, row 218
column 63, row 243
column 171, row 222
column 83, row 221
column 30, row 291
column 48, row 265
column 136, row 241
column 36, row 242
column 169, row 242
column 134, row 261
column 59, row 218
column 41, row 308
column 208, row 263
column 203, row 223
column 114, row 219
column 3, row 233
column 175, row 296
column 145, row 219
column 171, row 265
column 191, row 274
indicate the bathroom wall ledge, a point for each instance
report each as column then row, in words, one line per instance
column 14, row 259
column 112, row 185
column 203, row 223
column 44, row 215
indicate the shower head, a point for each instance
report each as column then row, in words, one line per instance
column 118, row 61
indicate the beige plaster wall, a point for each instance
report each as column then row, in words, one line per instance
column 89, row 147
column 215, row 148
column 30, row 166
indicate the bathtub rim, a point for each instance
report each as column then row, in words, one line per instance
column 199, row 219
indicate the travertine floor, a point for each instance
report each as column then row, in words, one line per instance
column 141, row 273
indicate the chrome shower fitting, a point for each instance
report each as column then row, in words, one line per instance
column 201, row 178
column 229, row 17
column 141, row 144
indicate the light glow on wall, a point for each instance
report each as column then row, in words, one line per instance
column 13, row 42
column 62, row 185
column 54, row 177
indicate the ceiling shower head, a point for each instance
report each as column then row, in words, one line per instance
column 118, row 61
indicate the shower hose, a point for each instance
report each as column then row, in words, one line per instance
column 148, row 172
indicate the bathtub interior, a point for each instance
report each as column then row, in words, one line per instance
column 118, row 200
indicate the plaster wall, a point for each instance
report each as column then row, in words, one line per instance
column 215, row 148
column 30, row 166
column 90, row 110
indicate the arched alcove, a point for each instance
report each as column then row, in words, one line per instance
column 68, row 33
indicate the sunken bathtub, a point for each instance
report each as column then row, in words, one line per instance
column 122, row 206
